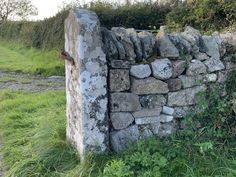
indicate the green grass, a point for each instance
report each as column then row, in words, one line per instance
column 32, row 127
column 19, row 58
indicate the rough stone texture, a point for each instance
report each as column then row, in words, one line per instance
column 193, row 36
column 86, row 83
column 201, row 56
column 120, row 64
column 166, row 129
column 180, row 112
column 174, row 84
column 136, row 42
column 168, row 110
column 155, row 127
column 165, row 47
column 214, row 65
column 210, row 78
column 119, row 80
column 120, row 140
column 152, row 101
column 124, row 102
column 212, row 48
column 163, row 118
column 148, row 44
column 121, row 120
column 222, row 76
column 124, row 39
column 146, row 120
column 190, row 81
column 230, row 65
column 196, row 67
column 148, row 112
column 149, row 86
column 185, row 97
column 178, row 67
column 140, row 71
column 162, row 69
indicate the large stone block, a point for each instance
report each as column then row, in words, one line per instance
column 165, row 47
column 174, row 84
column 149, row 86
column 214, row 65
column 148, row 112
column 146, row 120
column 124, row 102
column 178, row 67
column 119, row 80
column 190, row 81
column 120, row 140
column 140, row 71
column 162, row 68
column 212, row 47
column 121, row 120
column 196, row 67
column 152, row 101
column 185, row 97
column 86, row 84
column 148, row 43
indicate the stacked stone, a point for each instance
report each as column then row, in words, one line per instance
column 154, row 81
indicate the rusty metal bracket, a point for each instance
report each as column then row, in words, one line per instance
column 66, row 56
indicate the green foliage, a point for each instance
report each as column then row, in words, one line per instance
column 18, row 58
column 205, row 15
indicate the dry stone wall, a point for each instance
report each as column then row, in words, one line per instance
column 125, row 86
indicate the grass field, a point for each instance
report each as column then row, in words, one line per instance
column 18, row 58
column 33, row 130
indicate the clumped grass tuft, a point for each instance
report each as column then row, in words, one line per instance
column 19, row 58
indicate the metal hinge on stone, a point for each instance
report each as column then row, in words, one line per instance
column 66, row 56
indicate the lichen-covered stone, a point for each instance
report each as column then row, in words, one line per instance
column 192, row 35
column 148, row 43
column 148, row 112
column 174, row 84
column 180, row 112
column 119, row 80
column 86, row 84
column 152, row 101
column 165, row 47
column 149, row 86
column 121, row 120
column 162, row 69
column 140, row 71
column 163, row 118
column 124, row 102
column 212, row 47
column 190, row 81
column 120, row 64
column 214, row 65
column 120, row 140
column 146, row 120
column 196, row 67
column 201, row 56
column 210, row 78
column 185, row 97
column 124, row 39
column 178, row 67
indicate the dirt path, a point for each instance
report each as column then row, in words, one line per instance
column 26, row 82
column 16, row 81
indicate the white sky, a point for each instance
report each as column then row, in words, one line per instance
column 48, row 8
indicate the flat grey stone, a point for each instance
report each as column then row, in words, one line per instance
column 121, row 120
column 196, row 67
column 174, row 84
column 148, row 43
column 212, row 47
column 214, row 65
column 201, row 56
column 124, row 102
column 163, row 118
column 120, row 140
column 178, row 67
column 165, row 47
column 155, row 127
column 120, row 64
column 185, row 97
column 140, row 71
column 136, row 42
column 152, row 101
column 180, row 112
column 168, row 110
column 146, row 120
column 149, row 86
column 162, row 68
column 190, row 81
column 119, row 80
column 148, row 112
